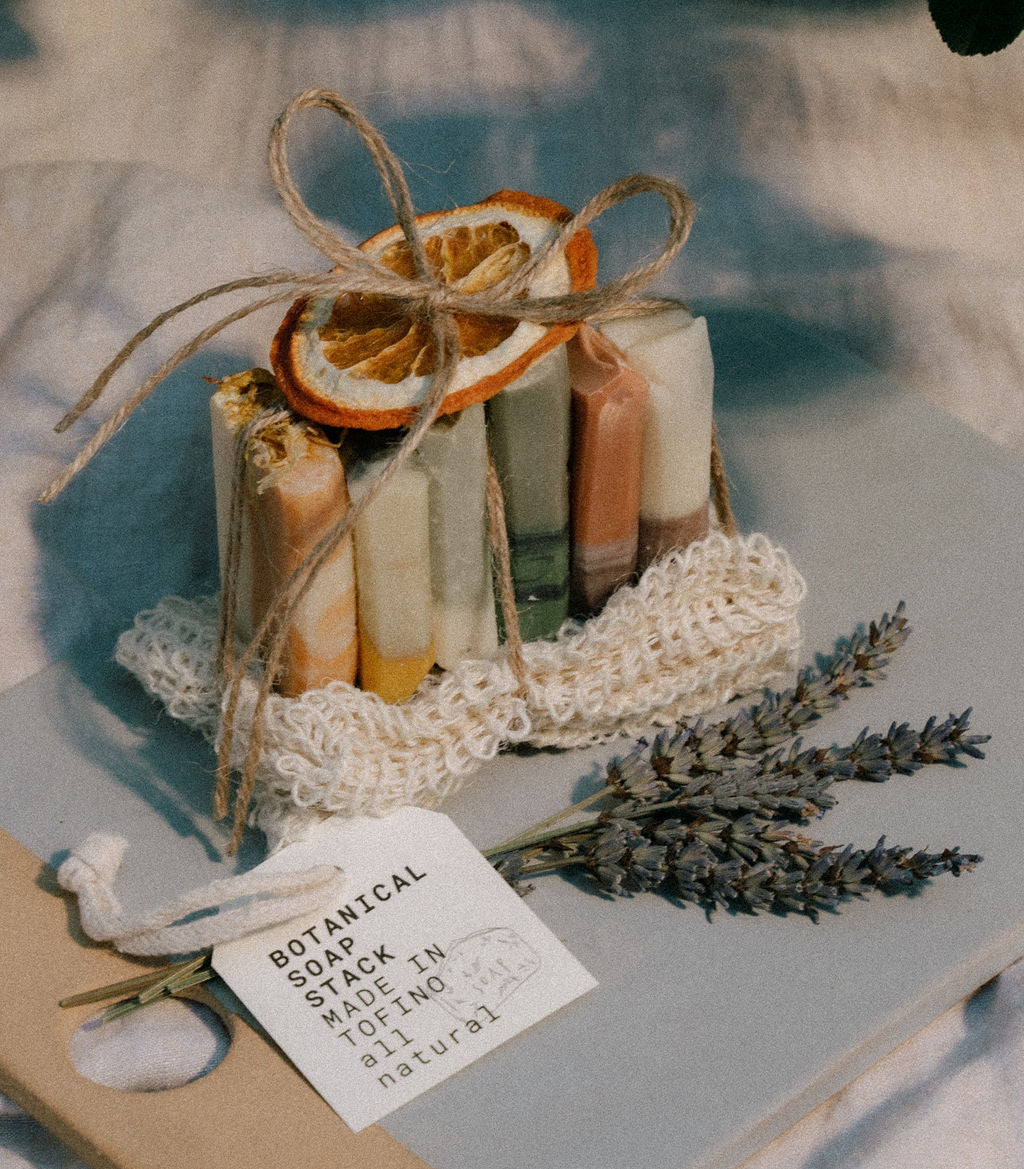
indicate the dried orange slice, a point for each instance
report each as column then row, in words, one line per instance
column 355, row 360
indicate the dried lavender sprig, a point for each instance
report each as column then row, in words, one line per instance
column 750, row 865
column 808, row 877
column 858, row 662
column 872, row 757
column 651, row 784
column 777, row 718
column 714, row 748
column 789, row 782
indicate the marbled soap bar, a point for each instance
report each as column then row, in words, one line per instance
column 392, row 548
column 453, row 453
column 528, row 427
column 609, row 400
column 298, row 495
column 294, row 493
column 672, row 352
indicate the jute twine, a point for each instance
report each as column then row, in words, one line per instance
column 423, row 297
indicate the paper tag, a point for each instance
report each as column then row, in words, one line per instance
column 428, row 961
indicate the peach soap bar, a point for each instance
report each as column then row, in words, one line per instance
column 298, row 488
column 609, row 400
column 671, row 351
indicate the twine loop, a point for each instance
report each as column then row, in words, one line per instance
column 264, row 900
column 356, row 272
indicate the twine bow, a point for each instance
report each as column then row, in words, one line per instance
column 424, row 297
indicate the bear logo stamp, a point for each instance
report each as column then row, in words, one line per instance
column 483, row 970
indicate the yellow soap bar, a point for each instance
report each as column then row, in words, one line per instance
column 394, row 679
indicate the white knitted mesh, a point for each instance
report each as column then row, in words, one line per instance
column 700, row 627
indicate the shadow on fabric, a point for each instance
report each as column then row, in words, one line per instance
column 15, row 42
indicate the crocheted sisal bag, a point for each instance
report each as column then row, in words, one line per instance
column 699, row 627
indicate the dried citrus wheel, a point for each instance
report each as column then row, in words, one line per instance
column 355, row 360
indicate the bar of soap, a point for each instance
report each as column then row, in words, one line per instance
column 671, row 351
column 528, row 427
column 298, row 495
column 453, row 453
column 236, row 401
column 392, row 551
column 609, row 400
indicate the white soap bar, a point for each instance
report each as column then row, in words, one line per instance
column 453, row 453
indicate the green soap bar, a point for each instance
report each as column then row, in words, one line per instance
column 540, row 571
column 528, row 432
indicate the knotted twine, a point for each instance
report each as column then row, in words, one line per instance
column 423, row 297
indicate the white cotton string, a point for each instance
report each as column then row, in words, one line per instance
column 90, row 872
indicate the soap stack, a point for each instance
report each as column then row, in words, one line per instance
column 602, row 448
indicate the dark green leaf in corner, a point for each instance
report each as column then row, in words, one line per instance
column 973, row 27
